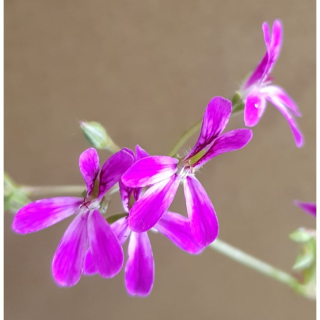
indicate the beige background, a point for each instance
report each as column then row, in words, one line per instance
column 146, row 70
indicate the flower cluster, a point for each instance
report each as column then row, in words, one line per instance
column 90, row 245
column 147, row 185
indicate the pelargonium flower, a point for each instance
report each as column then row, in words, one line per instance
column 139, row 269
column 89, row 228
column 163, row 174
column 308, row 207
column 258, row 90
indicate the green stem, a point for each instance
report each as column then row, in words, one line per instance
column 185, row 137
column 52, row 191
column 256, row 264
column 237, row 107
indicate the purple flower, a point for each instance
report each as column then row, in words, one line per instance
column 163, row 174
column 308, row 207
column 258, row 90
column 139, row 269
column 89, row 228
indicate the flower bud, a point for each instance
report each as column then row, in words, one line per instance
column 301, row 235
column 97, row 135
column 14, row 196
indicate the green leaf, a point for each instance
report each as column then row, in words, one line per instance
column 97, row 135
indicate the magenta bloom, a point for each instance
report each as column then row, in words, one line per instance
column 89, row 228
column 308, row 207
column 163, row 174
column 257, row 90
column 139, row 270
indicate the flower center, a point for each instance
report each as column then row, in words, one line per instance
column 90, row 203
column 184, row 169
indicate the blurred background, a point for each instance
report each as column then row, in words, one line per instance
column 146, row 70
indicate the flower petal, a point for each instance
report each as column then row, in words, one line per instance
column 128, row 151
column 266, row 33
column 106, row 250
column 89, row 167
column 113, row 169
column 298, row 137
column 137, row 193
column 254, row 108
column 147, row 211
column 150, row 170
column 121, row 229
column 177, row 229
column 90, row 268
column 139, row 270
column 214, row 121
column 203, row 219
column 141, row 153
column 228, row 142
column 67, row 263
column 44, row 213
column 125, row 194
column 258, row 74
column 309, row 207
column 279, row 94
column 275, row 45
